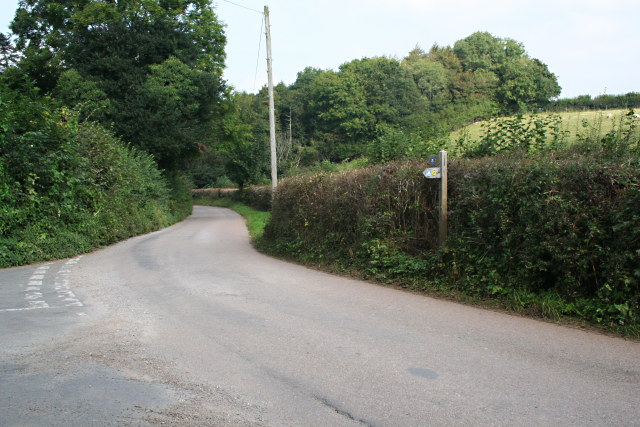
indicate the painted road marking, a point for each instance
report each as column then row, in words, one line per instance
column 33, row 292
column 61, row 285
column 22, row 309
column 39, row 284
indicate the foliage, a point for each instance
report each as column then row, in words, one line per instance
column 550, row 232
column 330, row 216
column 152, row 70
column 531, row 134
column 68, row 187
column 395, row 144
column 8, row 55
column 501, row 65
column 208, row 171
column 389, row 109
column 548, row 132
column 243, row 142
column 600, row 102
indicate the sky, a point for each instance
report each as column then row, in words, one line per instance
column 592, row 46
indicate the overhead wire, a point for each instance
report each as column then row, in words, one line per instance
column 255, row 76
column 243, row 6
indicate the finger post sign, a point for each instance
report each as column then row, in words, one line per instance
column 438, row 170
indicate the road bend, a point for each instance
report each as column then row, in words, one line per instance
column 191, row 326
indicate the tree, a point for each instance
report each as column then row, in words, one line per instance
column 391, row 94
column 84, row 95
column 526, row 83
column 8, row 55
column 481, row 51
column 342, row 118
column 429, row 76
column 244, row 139
column 501, row 70
column 127, row 50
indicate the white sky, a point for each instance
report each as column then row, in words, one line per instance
column 591, row 45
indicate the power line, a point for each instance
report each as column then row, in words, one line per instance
column 243, row 6
column 255, row 76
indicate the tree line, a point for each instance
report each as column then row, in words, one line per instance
column 600, row 102
column 384, row 107
column 151, row 71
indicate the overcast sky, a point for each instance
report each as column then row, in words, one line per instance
column 592, row 46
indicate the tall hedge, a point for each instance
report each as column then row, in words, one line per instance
column 337, row 216
column 564, row 226
column 67, row 188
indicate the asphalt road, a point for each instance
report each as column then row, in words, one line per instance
column 191, row 326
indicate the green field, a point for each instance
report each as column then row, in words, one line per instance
column 575, row 124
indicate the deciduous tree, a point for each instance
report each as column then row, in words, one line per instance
column 158, row 62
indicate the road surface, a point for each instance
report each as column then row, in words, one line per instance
column 191, row 326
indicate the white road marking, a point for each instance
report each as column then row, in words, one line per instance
column 38, row 304
column 22, row 309
column 61, row 285
column 33, row 294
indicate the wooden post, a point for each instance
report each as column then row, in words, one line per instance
column 442, row 229
column 272, row 118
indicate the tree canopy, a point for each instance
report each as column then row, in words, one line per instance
column 152, row 68
column 340, row 114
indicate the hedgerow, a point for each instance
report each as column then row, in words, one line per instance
column 551, row 233
column 66, row 188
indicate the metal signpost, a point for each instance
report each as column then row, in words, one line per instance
column 438, row 170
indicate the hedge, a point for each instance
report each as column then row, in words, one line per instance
column 557, row 226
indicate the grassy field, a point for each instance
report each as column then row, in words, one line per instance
column 573, row 123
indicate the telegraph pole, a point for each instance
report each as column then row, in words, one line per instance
column 272, row 114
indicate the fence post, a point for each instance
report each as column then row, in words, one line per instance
column 443, row 217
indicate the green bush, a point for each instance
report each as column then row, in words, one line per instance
column 551, row 233
column 67, row 188
column 548, row 223
column 333, row 216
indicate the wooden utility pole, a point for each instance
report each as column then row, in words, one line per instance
column 290, row 130
column 272, row 114
column 443, row 220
